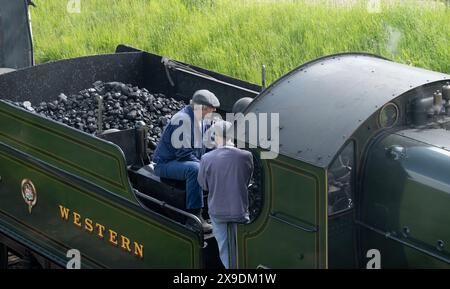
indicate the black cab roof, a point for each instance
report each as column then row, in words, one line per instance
column 323, row 102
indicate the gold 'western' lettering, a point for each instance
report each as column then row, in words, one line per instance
column 76, row 219
column 101, row 229
column 64, row 212
column 113, row 237
column 138, row 250
column 88, row 225
column 125, row 243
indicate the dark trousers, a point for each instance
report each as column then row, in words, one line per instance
column 184, row 171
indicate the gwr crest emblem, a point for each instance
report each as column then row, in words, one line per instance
column 29, row 193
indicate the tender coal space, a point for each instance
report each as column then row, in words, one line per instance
column 122, row 106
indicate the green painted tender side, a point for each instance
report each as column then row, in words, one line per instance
column 97, row 161
column 46, row 231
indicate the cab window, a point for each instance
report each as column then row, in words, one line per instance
column 340, row 181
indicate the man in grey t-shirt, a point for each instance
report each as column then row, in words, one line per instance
column 225, row 172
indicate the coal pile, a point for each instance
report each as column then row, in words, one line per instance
column 122, row 106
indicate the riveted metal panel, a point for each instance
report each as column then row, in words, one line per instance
column 323, row 102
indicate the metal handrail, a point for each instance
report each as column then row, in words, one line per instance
column 165, row 205
column 283, row 220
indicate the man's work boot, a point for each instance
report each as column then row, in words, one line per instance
column 207, row 227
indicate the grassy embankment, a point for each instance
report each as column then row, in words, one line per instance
column 235, row 37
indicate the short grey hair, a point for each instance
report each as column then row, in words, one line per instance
column 223, row 129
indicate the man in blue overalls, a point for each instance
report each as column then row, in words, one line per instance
column 181, row 146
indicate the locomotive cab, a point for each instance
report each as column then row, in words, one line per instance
column 378, row 133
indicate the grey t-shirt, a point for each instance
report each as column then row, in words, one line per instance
column 226, row 172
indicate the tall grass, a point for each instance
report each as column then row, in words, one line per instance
column 236, row 36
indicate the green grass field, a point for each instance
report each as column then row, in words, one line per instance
column 235, row 37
